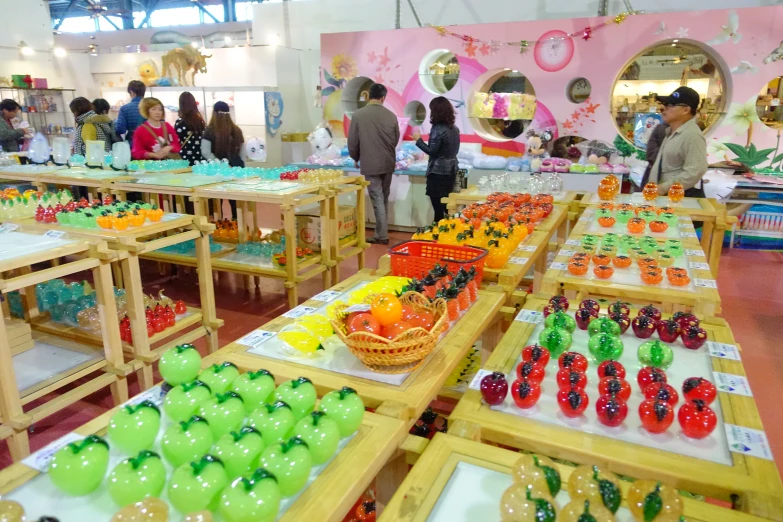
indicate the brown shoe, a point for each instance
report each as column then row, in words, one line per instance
column 376, row 241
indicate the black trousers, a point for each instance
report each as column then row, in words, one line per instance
column 438, row 207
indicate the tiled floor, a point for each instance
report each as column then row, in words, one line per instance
column 750, row 284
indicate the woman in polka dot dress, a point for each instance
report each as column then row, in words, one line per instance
column 189, row 126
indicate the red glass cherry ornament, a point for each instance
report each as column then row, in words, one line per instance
column 525, row 393
column 668, row 330
column 494, row 388
column 573, row 361
column 611, row 410
column 614, row 386
column 643, row 326
column 611, row 368
column 536, row 353
column 656, row 416
column 663, row 392
column 567, row 379
column 573, row 402
column 583, row 316
column 699, row 388
column 649, row 375
column 694, row 337
column 533, row 372
column 180, row 307
column 696, row 419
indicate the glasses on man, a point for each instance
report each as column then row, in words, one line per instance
column 675, row 105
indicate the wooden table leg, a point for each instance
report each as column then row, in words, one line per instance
column 131, row 273
column 716, row 249
column 10, row 404
column 361, row 240
column 539, row 269
column 206, row 291
column 110, row 327
column 706, row 236
column 289, row 229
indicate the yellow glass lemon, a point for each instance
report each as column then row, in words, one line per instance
column 303, row 342
column 318, row 325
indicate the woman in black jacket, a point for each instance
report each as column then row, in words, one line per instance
column 442, row 149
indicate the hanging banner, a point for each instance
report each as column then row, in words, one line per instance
column 274, row 112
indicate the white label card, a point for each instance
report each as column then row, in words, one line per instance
column 357, row 308
column 748, row 441
column 40, row 460
column 730, row 383
column 8, row 227
column 256, row 338
column 705, row 283
column 558, row 266
column 55, row 234
column 154, row 395
column 698, row 266
column 694, row 253
column 688, row 235
column 528, row 248
column 565, row 252
column 171, row 216
column 519, row 260
column 529, row 316
column 475, row 384
column 723, row 350
column 573, row 242
column 327, row 296
column 299, row 311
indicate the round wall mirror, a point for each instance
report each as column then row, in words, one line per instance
column 439, row 71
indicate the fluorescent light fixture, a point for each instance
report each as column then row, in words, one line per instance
column 25, row 49
column 227, row 39
column 59, row 52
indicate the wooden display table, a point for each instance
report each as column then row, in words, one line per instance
column 53, row 362
column 98, row 181
column 405, row 396
column 327, row 498
column 173, row 187
column 348, row 247
column 707, row 210
column 710, row 467
column 464, row 197
column 457, row 480
column 130, row 245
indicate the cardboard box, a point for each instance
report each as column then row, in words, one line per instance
column 308, row 227
column 18, row 80
column 40, row 83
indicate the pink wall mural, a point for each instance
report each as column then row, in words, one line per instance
column 746, row 44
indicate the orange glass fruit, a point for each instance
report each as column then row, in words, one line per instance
column 580, row 256
column 607, row 189
column 658, row 226
column 624, row 206
column 675, row 270
column 606, row 205
column 679, row 279
column 603, row 271
column 606, row 221
column 676, row 192
column 636, row 225
column 601, row 259
column 665, row 210
column 650, row 191
column 577, row 268
column 644, row 262
column 652, row 277
column 644, row 208
column 622, row 261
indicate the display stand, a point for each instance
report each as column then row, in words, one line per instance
column 709, row 467
column 456, row 200
column 327, row 498
column 91, row 367
column 459, row 480
column 130, row 245
column 97, row 181
column 342, row 250
column 173, row 187
column 707, row 210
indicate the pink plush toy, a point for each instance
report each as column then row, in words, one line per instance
column 561, row 165
column 500, row 110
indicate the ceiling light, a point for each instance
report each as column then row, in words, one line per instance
column 194, row 45
column 59, row 52
column 227, row 39
column 25, row 49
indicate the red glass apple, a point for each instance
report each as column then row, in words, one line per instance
column 525, row 393
column 567, row 379
column 656, row 416
column 621, row 319
column 494, row 388
column 573, row 361
column 663, row 392
column 668, row 330
column 696, row 419
column 611, row 368
column 590, row 304
column 552, row 308
column 614, row 386
column 533, row 372
column 583, row 317
column 559, row 300
column 699, row 388
column 651, row 312
column 619, row 307
column 643, row 326
column 611, row 410
column 685, row 319
column 536, row 353
column 649, row 375
column 694, row 337
column 573, row 402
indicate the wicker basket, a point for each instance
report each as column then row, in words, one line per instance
column 406, row 351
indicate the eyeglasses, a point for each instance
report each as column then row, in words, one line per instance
column 675, row 105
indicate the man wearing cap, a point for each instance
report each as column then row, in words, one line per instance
column 683, row 154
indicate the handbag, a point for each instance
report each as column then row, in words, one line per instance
column 166, row 141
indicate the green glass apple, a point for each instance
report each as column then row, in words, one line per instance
column 224, row 412
column 561, row 320
column 290, row 463
column 299, row 394
column 219, row 377
column 274, row 421
column 345, row 407
column 239, row 450
column 254, row 499
column 655, row 353
column 605, row 347
column 197, row 485
column 603, row 325
column 135, row 428
column 255, row 388
column 556, row 340
column 137, row 477
column 180, row 364
column 78, row 468
column 183, row 400
column 321, row 434
column 186, row 441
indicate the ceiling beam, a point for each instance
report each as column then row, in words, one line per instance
column 204, row 10
column 65, row 13
column 151, row 6
column 112, row 23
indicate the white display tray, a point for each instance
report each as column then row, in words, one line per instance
column 687, row 363
column 45, row 360
column 40, row 497
column 632, row 276
column 18, row 244
column 637, row 199
column 673, row 232
column 32, row 169
column 473, row 493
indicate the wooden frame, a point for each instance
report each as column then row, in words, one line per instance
column 423, row 486
column 352, row 247
column 406, row 401
column 15, row 421
column 753, row 482
column 327, row 499
column 61, row 177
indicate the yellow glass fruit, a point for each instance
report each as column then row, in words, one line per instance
column 591, row 483
column 581, row 510
column 652, row 501
column 522, row 504
column 538, row 471
column 317, row 324
column 303, row 342
column 150, row 509
column 11, row 511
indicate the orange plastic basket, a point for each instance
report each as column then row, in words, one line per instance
column 417, row 258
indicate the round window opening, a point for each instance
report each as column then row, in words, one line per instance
column 658, row 71
column 416, row 112
column 502, row 105
column 769, row 104
column 356, row 94
column 578, row 90
column 439, row 71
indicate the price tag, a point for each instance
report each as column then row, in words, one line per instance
column 688, row 235
column 530, row 316
column 705, row 283
column 299, row 311
column 475, row 384
column 698, row 266
column 748, row 441
column 565, row 252
column 8, row 227
column 171, row 216
column 256, row 338
column 573, row 242
column 558, row 266
column 357, row 308
column 528, row 248
column 519, row 260
column 326, row 296
column 730, row 383
column 40, row 460
column 155, row 395
column 694, row 253
column 54, row 234
column 723, row 350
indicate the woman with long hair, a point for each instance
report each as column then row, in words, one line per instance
column 154, row 139
column 442, row 149
column 222, row 139
column 190, row 127
column 89, row 126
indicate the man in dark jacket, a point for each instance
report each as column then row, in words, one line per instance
column 372, row 141
column 10, row 138
column 653, row 146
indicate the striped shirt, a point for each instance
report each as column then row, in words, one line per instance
column 129, row 118
column 682, row 157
